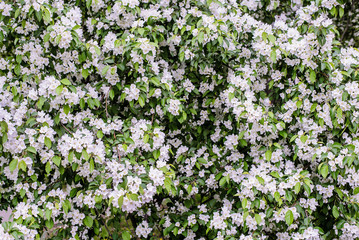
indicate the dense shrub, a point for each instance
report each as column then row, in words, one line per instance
column 171, row 119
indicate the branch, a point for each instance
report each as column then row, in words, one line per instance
column 346, row 27
column 152, row 119
column 104, row 222
column 134, row 225
column 66, row 129
column 118, row 151
column 107, row 115
column 225, row 64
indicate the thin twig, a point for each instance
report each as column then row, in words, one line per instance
column 66, row 129
column 118, row 151
column 104, row 222
column 228, row 66
column 152, row 119
column 346, row 27
column 129, row 227
column 107, row 115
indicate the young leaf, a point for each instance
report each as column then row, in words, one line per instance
column 88, row 221
column 48, row 142
column 312, row 76
column 324, row 170
column 258, row 218
column 126, row 235
column 289, row 217
column 65, row 81
column 268, row 155
column 335, row 212
column 13, row 164
column 57, row 160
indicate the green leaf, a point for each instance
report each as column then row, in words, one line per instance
column 141, row 31
column 82, row 103
column 220, row 40
column 22, row 165
column 38, row 15
column 65, row 81
column 13, row 164
column 277, row 196
column 244, row 203
column 312, row 76
column 341, row 12
column 289, row 217
column 141, row 101
column 48, row 167
column 17, row 13
column 126, row 235
column 293, row 138
column 202, row 160
column 48, row 142
column 4, row 138
column 48, row 213
column 4, row 127
column 41, row 102
column 313, row 107
column 120, row 201
column 97, row 50
column 92, row 165
column 168, row 184
column 339, row 113
column 155, row 81
column 303, row 138
column 288, row 196
column 59, row 89
column 222, row 181
column 268, row 155
column 58, row 38
column 189, row 189
column 264, row 36
column 47, row 37
column 271, row 38
column 273, row 55
column 66, row 109
column 71, row 156
column 335, row 211
column 124, row 146
column 297, row 187
column 18, row 58
column 324, row 170
column 66, row 205
column 57, row 160
column 156, row 154
column 46, row 15
column 85, row 73
column 105, row 70
column 85, row 155
column 260, row 179
column 275, row 174
column 31, row 149
column 88, row 3
column 99, row 134
column 146, row 138
column 88, row 221
column 112, row 94
column 258, row 218
column 200, row 36
column 356, row 191
column 299, row 104
column 134, row 196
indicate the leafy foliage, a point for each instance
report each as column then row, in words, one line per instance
column 169, row 119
